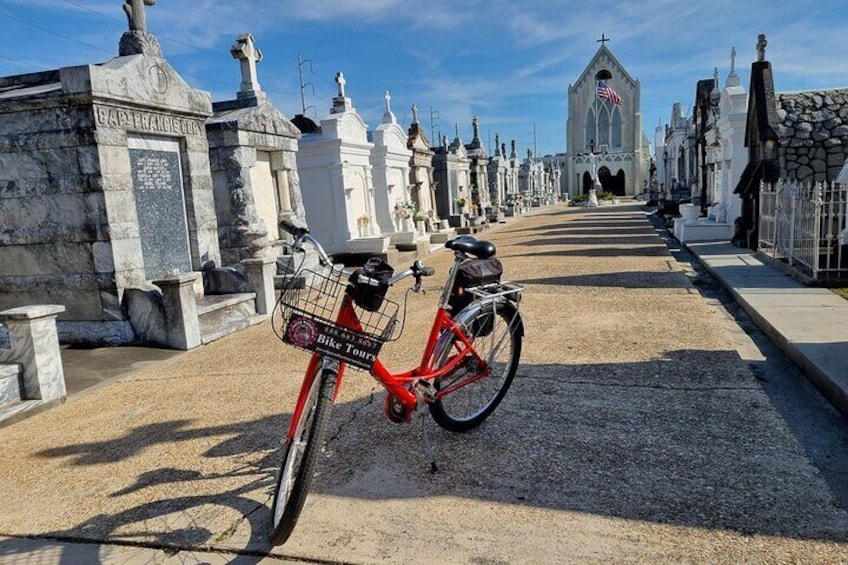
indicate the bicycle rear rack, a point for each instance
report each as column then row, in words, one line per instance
column 508, row 290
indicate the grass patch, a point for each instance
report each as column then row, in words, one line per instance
column 843, row 292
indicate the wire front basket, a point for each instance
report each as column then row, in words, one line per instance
column 306, row 313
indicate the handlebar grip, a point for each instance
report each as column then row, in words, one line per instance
column 291, row 228
column 428, row 271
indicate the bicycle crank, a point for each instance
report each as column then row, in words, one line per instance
column 396, row 411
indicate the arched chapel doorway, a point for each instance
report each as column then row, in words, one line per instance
column 587, row 182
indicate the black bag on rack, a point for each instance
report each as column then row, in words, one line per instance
column 473, row 273
column 370, row 284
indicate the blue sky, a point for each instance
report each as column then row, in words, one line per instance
column 510, row 63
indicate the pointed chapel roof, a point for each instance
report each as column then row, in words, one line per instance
column 604, row 50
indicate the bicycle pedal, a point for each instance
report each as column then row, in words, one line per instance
column 396, row 411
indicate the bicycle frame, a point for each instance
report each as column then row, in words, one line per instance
column 398, row 384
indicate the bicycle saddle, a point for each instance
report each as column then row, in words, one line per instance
column 471, row 246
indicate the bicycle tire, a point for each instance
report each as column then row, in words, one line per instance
column 484, row 395
column 295, row 475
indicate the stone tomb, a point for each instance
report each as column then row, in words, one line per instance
column 252, row 153
column 453, row 188
column 394, row 208
column 423, row 186
column 478, row 176
column 334, row 165
column 105, row 186
column 497, row 171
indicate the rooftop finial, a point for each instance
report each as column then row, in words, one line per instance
column 340, row 80
column 135, row 13
column 247, row 54
column 388, row 117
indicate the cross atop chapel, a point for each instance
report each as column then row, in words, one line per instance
column 248, row 55
column 602, row 40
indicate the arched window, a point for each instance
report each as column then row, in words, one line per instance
column 590, row 128
column 616, row 127
column 603, row 126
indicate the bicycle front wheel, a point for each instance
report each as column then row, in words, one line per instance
column 496, row 333
column 298, row 465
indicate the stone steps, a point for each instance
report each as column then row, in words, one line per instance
column 220, row 315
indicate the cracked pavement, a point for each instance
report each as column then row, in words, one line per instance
column 634, row 433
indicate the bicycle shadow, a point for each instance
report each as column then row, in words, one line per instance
column 625, row 440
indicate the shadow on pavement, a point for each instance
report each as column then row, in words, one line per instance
column 623, row 279
column 689, row 440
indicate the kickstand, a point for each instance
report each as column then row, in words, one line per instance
column 428, row 448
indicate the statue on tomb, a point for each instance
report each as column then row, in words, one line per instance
column 414, row 114
column 475, row 123
column 761, row 47
column 135, row 13
column 732, row 61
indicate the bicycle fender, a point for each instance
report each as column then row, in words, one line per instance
column 463, row 318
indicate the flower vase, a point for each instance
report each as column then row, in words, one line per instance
column 363, row 230
column 420, row 228
column 408, row 225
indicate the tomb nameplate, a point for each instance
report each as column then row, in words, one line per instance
column 157, row 185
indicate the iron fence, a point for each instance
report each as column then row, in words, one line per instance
column 805, row 224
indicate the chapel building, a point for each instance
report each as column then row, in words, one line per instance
column 613, row 132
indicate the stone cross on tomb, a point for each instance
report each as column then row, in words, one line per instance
column 414, row 114
column 246, row 52
column 761, row 47
column 340, row 80
column 135, row 13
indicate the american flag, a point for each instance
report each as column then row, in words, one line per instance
column 607, row 93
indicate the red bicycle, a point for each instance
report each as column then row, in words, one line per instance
column 468, row 363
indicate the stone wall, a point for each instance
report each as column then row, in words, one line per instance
column 53, row 212
column 813, row 134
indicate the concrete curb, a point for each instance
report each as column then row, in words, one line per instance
column 827, row 366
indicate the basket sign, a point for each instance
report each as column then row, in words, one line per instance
column 314, row 335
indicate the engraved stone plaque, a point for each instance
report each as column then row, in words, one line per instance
column 157, row 185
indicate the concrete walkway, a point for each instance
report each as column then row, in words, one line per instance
column 632, row 433
column 809, row 324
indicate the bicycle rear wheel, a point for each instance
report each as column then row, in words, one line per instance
column 496, row 336
column 298, row 465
